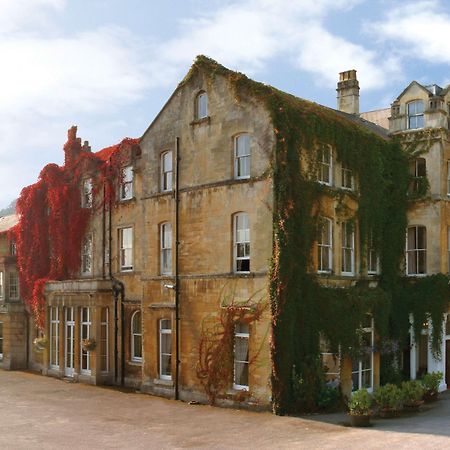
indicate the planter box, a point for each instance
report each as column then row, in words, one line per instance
column 359, row 421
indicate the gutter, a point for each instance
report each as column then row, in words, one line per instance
column 177, row 278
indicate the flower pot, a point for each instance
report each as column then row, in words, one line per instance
column 414, row 405
column 359, row 420
column 388, row 413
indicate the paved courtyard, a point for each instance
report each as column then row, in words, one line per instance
column 44, row 413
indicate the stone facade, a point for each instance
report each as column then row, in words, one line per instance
column 13, row 318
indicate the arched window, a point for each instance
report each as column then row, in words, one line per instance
column 201, row 105
column 136, row 337
column 241, row 240
column 414, row 111
column 325, row 246
column 416, row 250
column 242, row 156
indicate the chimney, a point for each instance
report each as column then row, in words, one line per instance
column 86, row 147
column 348, row 92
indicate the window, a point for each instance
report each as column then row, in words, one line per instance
column 104, row 348
column 2, row 286
column 201, row 106
column 373, row 262
column 165, row 349
column 241, row 338
column 86, row 193
column 85, row 334
column 13, row 285
column 166, row 248
column 415, row 114
column 241, row 243
column 242, row 156
column 1, row 340
column 325, row 161
column 166, row 171
column 331, row 363
column 126, row 249
column 325, row 246
column 346, row 177
column 418, row 172
column 126, row 183
column 54, row 337
column 448, row 178
column 416, row 251
column 12, row 248
column 348, row 249
column 362, row 368
column 86, row 255
column 136, row 337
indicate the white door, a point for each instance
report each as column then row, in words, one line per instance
column 69, row 342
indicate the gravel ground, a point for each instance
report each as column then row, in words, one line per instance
column 43, row 413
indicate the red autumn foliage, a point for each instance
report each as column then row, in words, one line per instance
column 52, row 221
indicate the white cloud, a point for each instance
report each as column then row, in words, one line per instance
column 419, row 29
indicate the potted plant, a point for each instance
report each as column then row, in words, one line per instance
column 389, row 400
column 88, row 344
column 412, row 393
column 359, row 408
column 431, row 382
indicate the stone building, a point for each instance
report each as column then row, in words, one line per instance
column 13, row 318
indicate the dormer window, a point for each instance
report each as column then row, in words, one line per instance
column 415, row 114
column 201, row 106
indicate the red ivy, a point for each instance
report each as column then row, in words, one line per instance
column 52, row 222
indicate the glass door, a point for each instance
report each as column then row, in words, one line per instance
column 69, row 342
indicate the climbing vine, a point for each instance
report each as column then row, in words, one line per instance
column 302, row 308
column 52, row 221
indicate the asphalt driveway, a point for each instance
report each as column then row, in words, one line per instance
column 43, row 413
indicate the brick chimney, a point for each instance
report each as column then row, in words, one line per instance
column 348, row 92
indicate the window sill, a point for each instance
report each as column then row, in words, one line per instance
column 204, row 120
column 161, row 382
column 124, row 201
column 135, row 363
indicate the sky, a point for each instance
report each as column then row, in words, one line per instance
column 108, row 66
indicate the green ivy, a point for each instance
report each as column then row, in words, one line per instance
column 302, row 309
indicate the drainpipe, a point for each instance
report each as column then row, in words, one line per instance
column 177, row 281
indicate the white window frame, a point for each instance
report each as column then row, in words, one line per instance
column 1, row 340
column 241, row 335
column 360, row 369
column 166, row 240
column 242, row 161
column 413, row 116
column 54, row 337
column 166, row 164
column 125, row 252
column 13, row 288
column 165, row 333
column 416, row 252
column 325, row 169
column 86, row 193
column 85, row 333
column 372, row 259
column 104, row 343
column 86, row 255
column 126, row 183
column 241, row 239
column 136, row 333
column 347, row 246
column 12, row 247
column 347, row 178
column 201, row 105
column 325, row 246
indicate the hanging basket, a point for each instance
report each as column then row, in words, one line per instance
column 88, row 345
column 40, row 344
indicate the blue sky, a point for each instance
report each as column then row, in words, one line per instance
column 109, row 66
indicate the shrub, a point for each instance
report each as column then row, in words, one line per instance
column 360, row 403
column 431, row 381
column 328, row 397
column 388, row 396
column 412, row 391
